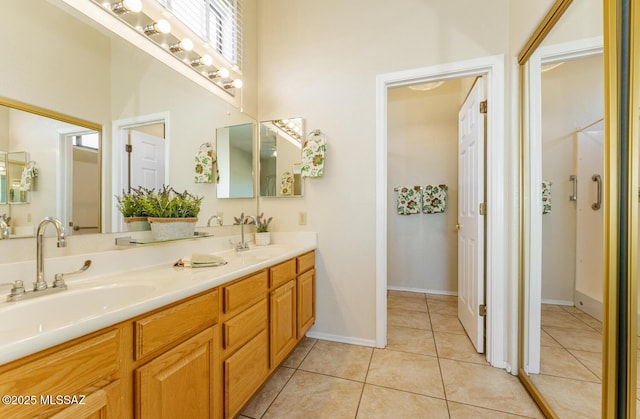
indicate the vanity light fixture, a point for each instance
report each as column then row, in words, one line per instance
column 161, row 26
column 126, row 6
column 222, row 73
column 206, row 59
column 237, row 83
column 185, row 45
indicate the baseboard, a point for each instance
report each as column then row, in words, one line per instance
column 421, row 290
column 589, row 305
column 558, row 302
column 341, row 339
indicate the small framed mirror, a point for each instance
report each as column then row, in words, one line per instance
column 280, row 158
column 234, row 149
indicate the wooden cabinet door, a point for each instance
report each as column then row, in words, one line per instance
column 101, row 404
column 283, row 321
column 306, row 302
column 180, row 382
column 244, row 373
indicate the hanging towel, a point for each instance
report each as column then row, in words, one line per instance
column 546, row 197
column 313, row 155
column 286, row 184
column 29, row 173
column 434, row 199
column 409, row 200
column 204, row 161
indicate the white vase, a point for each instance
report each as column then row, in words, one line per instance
column 263, row 239
column 172, row 228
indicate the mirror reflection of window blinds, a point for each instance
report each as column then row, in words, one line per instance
column 218, row 22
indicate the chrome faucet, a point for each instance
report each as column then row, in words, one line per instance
column 214, row 217
column 242, row 245
column 4, row 229
column 40, row 283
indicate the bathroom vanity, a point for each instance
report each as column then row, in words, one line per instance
column 204, row 355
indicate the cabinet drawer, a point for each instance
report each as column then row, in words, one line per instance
column 75, row 369
column 243, row 293
column 170, row 325
column 306, row 261
column 244, row 373
column 282, row 273
column 244, row 326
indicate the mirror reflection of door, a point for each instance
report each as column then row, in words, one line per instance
column 84, row 217
column 146, row 156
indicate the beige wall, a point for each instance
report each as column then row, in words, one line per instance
column 319, row 60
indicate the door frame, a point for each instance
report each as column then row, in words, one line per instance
column 532, row 285
column 497, row 183
column 118, row 173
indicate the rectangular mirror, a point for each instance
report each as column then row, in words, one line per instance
column 18, row 178
column 280, row 157
column 234, row 149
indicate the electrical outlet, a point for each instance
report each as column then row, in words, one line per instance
column 302, row 218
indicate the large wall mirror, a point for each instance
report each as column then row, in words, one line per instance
column 562, row 306
column 281, row 157
column 94, row 75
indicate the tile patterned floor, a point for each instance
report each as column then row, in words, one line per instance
column 570, row 362
column 428, row 370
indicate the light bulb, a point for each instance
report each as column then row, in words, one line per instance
column 223, row 73
column 127, row 6
column 206, row 59
column 185, row 45
column 237, row 83
column 161, row 26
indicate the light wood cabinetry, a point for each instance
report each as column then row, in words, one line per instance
column 201, row 357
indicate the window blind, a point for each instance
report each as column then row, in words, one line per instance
column 218, row 22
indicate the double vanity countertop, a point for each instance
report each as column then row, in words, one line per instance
column 114, row 289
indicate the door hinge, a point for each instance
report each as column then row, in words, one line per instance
column 483, row 106
column 128, row 148
column 483, row 208
column 482, row 310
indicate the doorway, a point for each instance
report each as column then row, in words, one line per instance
column 493, row 69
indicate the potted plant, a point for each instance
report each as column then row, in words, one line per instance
column 130, row 206
column 263, row 236
column 172, row 215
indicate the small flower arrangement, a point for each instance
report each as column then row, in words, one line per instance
column 130, row 203
column 262, row 225
column 165, row 203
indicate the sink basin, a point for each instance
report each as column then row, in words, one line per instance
column 260, row 253
column 41, row 314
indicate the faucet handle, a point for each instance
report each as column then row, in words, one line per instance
column 18, row 289
column 59, row 278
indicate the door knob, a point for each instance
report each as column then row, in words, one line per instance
column 459, row 226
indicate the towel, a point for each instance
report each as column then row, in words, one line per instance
column 434, row 199
column 546, row 197
column 313, row 151
column 409, row 200
column 286, row 184
column 200, row 260
column 204, row 161
column 29, row 173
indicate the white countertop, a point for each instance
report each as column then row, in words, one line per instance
column 113, row 295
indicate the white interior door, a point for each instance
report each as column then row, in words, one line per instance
column 471, row 132
column 147, row 159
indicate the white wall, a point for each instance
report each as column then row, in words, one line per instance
column 572, row 97
column 422, row 149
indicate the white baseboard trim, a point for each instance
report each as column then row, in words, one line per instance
column 557, row 302
column 342, row 339
column 589, row 305
column 421, row 290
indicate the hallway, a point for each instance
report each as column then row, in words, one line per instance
column 429, row 369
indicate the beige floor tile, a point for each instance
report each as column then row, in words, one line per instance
column 405, row 339
column 446, row 323
column 550, row 307
column 463, row 411
column 384, row 403
column 442, row 297
column 581, row 339
column 404, row 371
column 299, row 353
column 591, row 321
column 563, row 319
column 449, row 308
column 592, row 360
column 407, row 318
column 560, row 362
column 485, row 386
column 570, row 398
column 311, row 396
column 407, row 303
column 546, row 340
column 572, row 309
column 406, row 294
column 261, row 401
column 338, row 359
column 459, row 347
